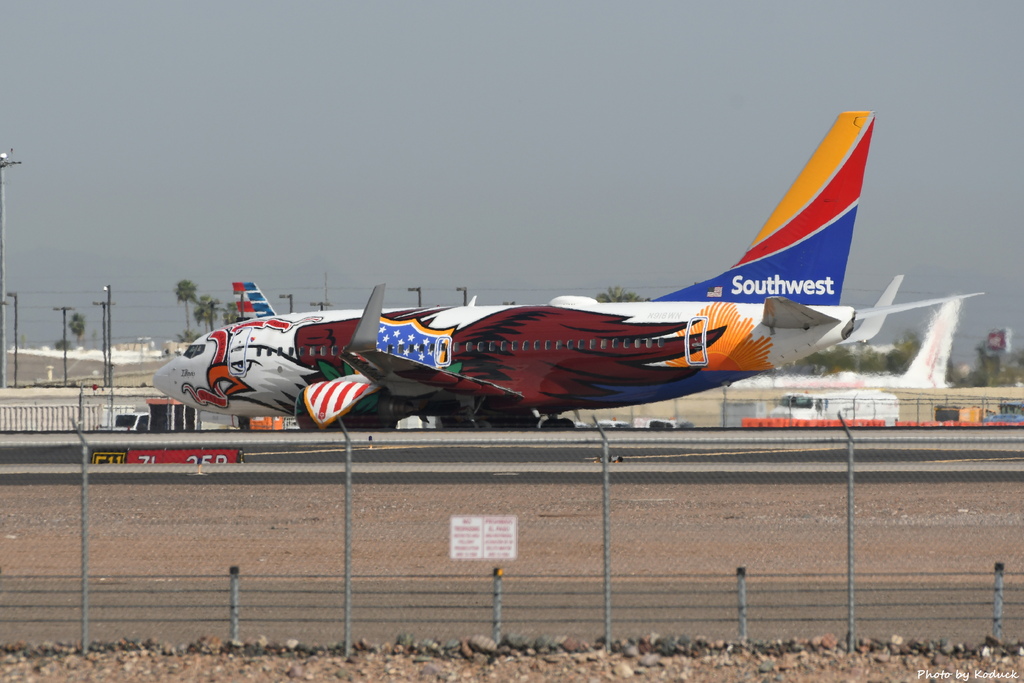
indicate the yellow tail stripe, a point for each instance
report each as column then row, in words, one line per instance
column 836, row 146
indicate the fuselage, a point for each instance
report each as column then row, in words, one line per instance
column 488, row 360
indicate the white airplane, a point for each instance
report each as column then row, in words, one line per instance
column 526, row 365
column 926, row 371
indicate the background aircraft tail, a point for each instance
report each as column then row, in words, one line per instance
column 251, row 302
column 801, row 252
column 928, row 369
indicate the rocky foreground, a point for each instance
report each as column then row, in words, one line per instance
column 479, row 658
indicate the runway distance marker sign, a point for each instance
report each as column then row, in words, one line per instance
column 166, row 456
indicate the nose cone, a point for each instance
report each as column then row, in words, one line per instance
column 166, row 379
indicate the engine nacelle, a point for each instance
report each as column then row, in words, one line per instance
column 322, row 405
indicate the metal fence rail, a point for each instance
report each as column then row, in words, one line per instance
column 438, row 607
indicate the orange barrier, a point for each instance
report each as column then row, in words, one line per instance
column 266, row 423
column 777, row 422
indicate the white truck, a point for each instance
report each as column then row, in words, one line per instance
column 124, row 418
column 865, row 404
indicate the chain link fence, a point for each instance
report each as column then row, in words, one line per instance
column 618, row 534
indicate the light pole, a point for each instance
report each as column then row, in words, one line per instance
column 419, row 296
column 64, row 311
column 14, row 295
column 291, row 303
column 110, row 336
column 108, row 343
column 465, row 295
column 4, row 163
column 321, row 304
column 104, row 326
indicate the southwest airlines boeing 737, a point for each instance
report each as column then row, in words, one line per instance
column 524, row 365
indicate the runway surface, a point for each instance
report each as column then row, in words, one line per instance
column 707, row 456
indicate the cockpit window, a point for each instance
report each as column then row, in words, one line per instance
column 194, row 350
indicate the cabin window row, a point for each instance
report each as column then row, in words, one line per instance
column 480, row 347
column 570, row 344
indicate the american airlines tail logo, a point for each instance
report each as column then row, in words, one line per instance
column 776, row 286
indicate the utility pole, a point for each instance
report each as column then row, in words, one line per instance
column 4, row 163
column 64, row 310
column 325, row 302
column 419, row 296
column 14, row 295
column 291, row 303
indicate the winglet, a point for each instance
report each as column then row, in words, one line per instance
column 364, row 339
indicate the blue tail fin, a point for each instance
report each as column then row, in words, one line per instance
column 801, row 252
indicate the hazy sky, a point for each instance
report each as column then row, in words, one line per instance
column 523, row 150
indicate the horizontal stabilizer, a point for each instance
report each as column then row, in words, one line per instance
column 899, row 308
column 783, row 314
column 869, row 328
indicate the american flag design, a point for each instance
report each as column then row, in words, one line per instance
column 410, row 339
column 327, row 401
column 715, row 292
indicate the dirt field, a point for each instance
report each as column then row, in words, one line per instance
column 202, row 528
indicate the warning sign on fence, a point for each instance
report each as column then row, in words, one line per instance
column 484, row 538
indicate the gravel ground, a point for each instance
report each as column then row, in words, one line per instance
column 399, row 529
column 477, row 659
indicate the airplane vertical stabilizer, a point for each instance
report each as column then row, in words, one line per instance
column 251, row 302
column 928, row 369
column 801, row 252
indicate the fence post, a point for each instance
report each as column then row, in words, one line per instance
column 851, row 624
column 606, row 520
column 234, row 603
column 997, row 604
column 496, row 632
column 741, row 594
column 348, row 539
column 85, row 540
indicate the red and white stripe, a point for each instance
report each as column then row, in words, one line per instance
column 327, row 401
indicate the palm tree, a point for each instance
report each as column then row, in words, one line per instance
column 617, row 294
column 185, row 290
column 206, row 311
column 77, row 326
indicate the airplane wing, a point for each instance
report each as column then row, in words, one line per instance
column 785, row 314
column 381, row 367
